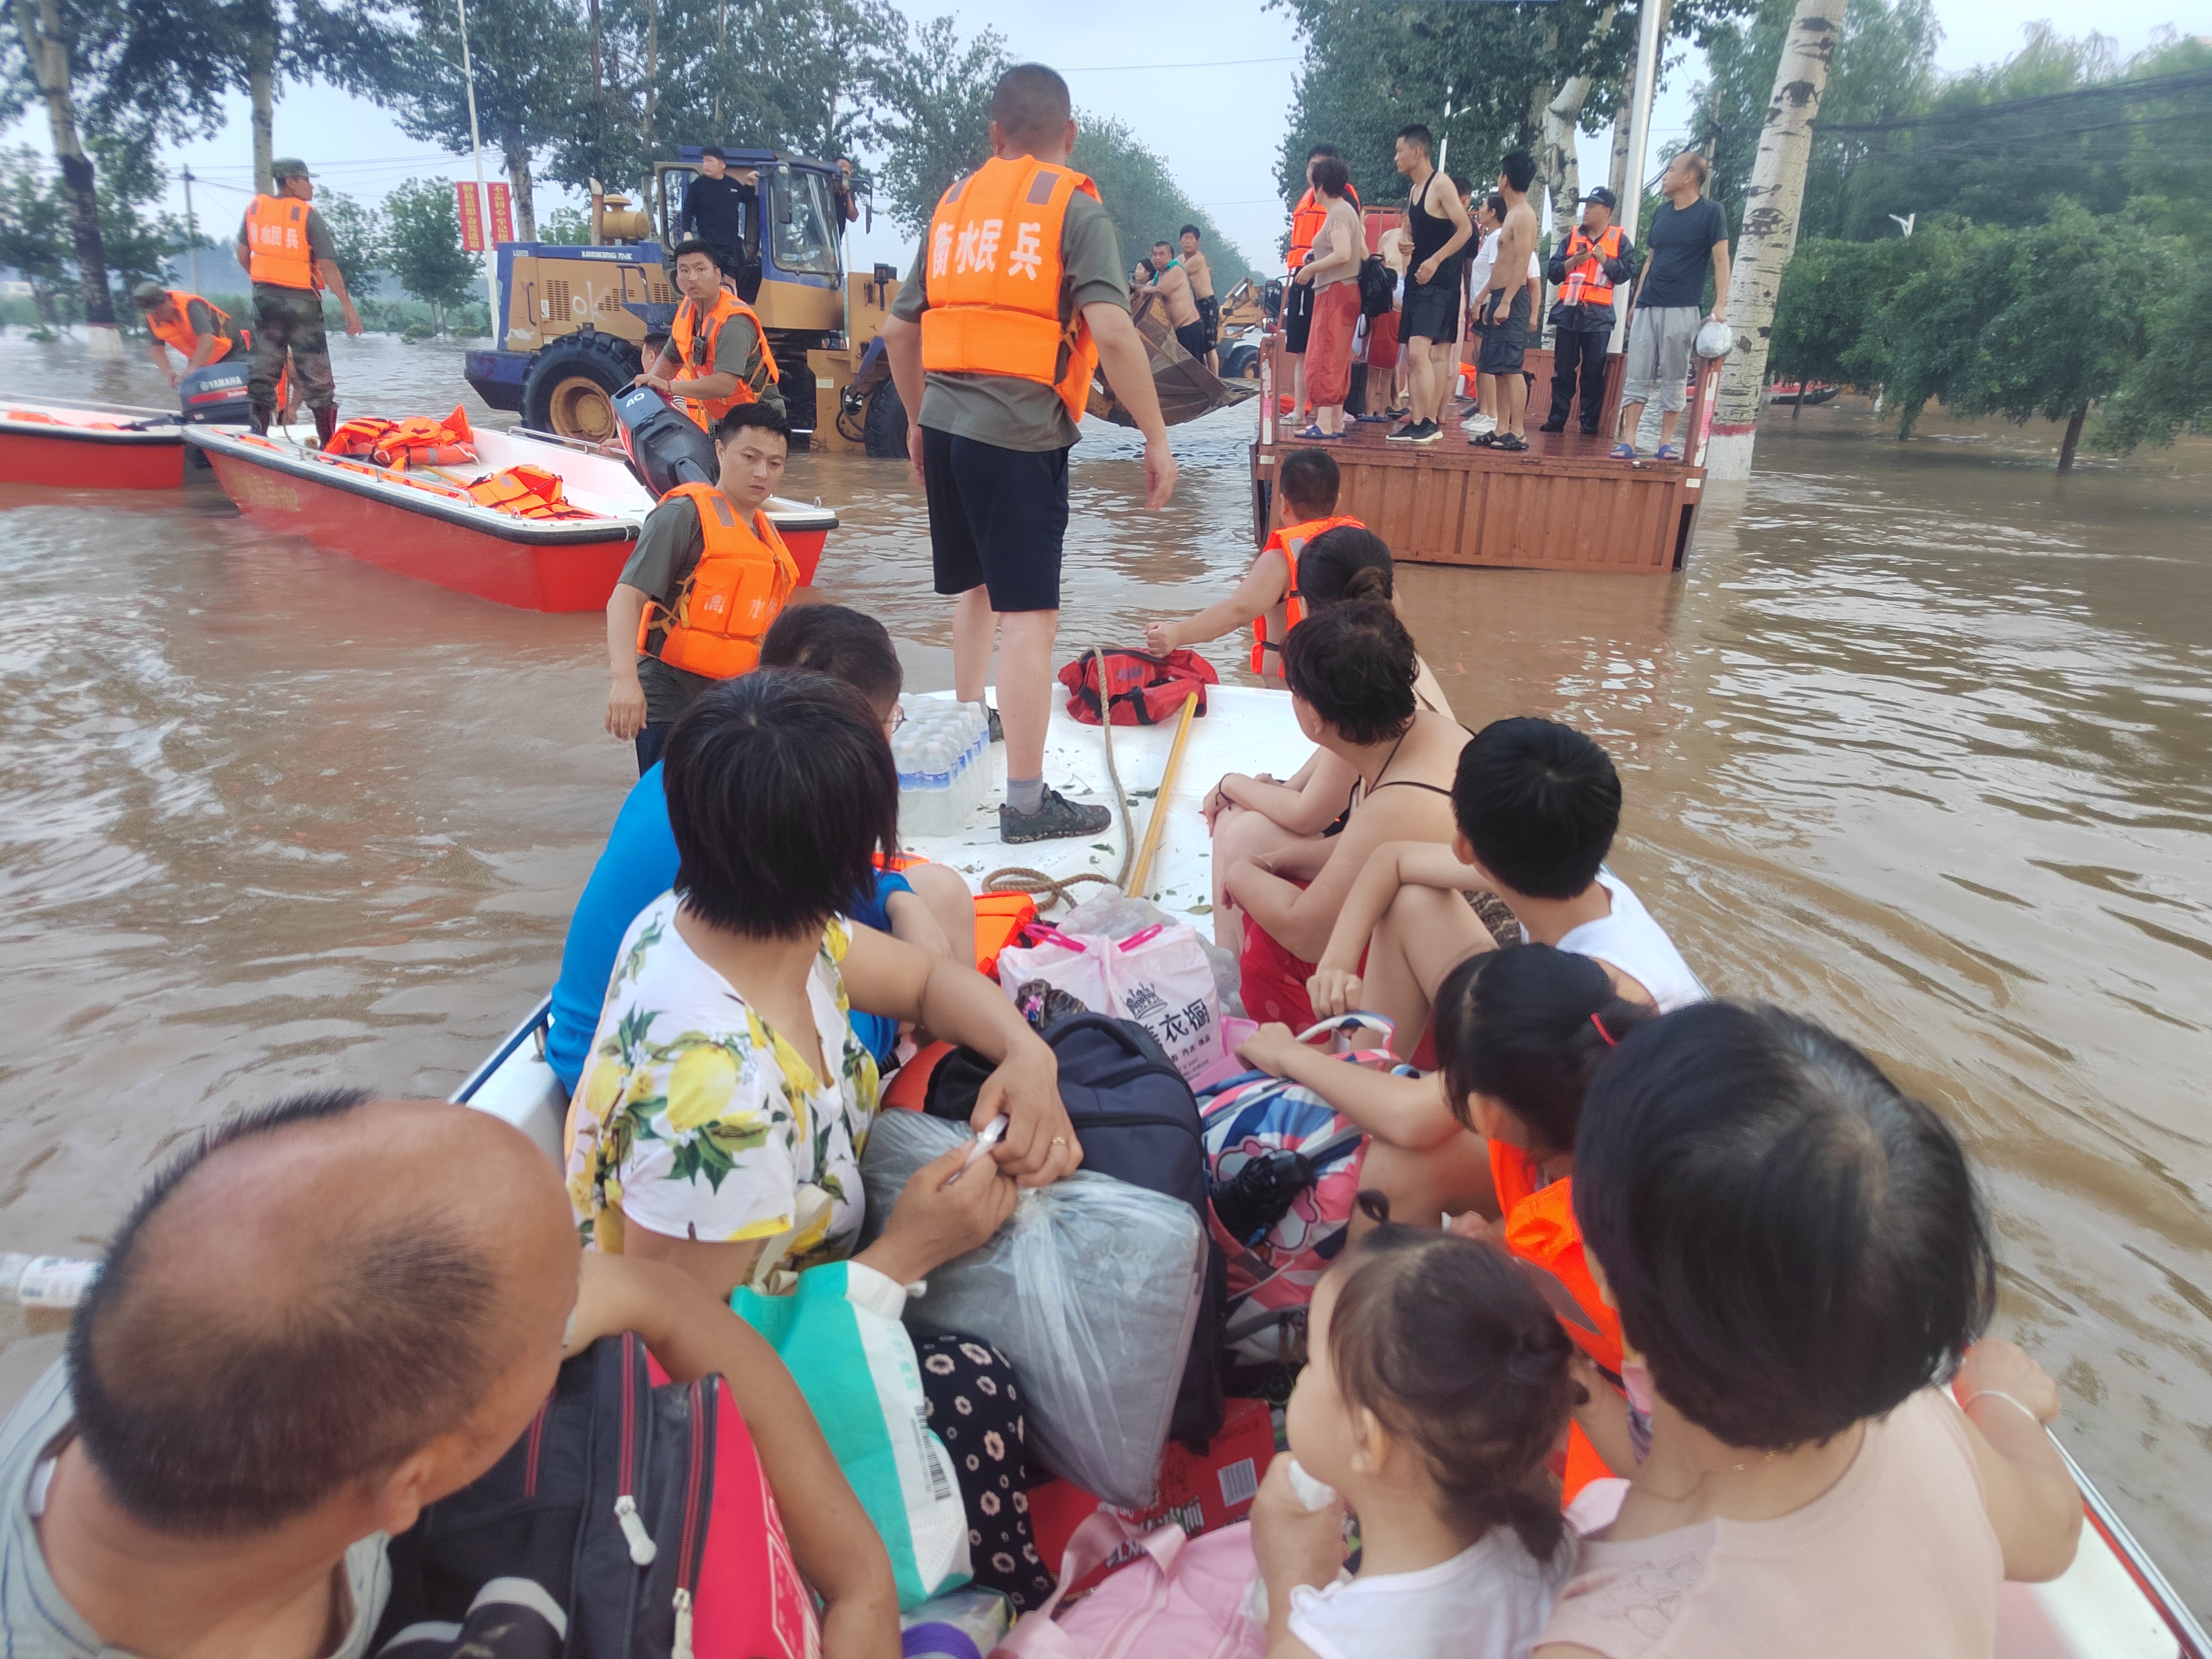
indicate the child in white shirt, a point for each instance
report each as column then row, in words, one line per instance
column 1437, row 1386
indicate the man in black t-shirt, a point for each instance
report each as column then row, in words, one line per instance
column 1688, row 235
column 719, row 208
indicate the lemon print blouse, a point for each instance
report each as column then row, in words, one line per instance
column 695, row 1120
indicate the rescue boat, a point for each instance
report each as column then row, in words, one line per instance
column 2112, row 1603
column 90, row 448
column 423, row 521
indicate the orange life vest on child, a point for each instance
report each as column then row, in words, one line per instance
column 738, row 587
column 1587, row 284
column 276, row 243
column 417, row 441
column 1288, row 541
column 998, row 302
column 182, row 336
column 689, row 329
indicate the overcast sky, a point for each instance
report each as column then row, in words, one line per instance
column 1213, row 100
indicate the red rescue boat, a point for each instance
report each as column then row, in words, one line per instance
column 422, row 522
column 73, row 447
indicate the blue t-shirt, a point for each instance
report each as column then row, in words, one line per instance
column 636, row 867
column 1681, row 255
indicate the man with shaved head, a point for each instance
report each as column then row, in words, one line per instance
column 328, row 1315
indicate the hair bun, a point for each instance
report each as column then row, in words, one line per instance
column 1369, row 582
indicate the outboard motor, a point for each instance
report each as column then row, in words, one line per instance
column 665, row 446
column 215, row 395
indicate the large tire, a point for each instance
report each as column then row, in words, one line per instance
column 571, row 386
column 885, row 429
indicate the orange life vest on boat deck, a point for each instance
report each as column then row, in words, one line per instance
column 182, row 336
column 696, row 342
column 417, row 441
column 743, row 577
column 1587, row 284
column 1288, row 541
column 528, row 492
column 276, row 243
column 1306, row 221
column 998, row 300
column 1000, row 917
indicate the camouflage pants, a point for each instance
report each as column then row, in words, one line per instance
column 290, row 318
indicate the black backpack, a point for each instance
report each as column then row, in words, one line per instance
column 630, row 1522
column 1138, row 1122
column 1378, row 288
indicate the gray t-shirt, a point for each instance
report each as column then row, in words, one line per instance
column 1681, row 244
column 999, row 409
column 35, row 1621
column 669, row 544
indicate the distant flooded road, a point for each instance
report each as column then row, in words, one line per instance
column 1921, row 746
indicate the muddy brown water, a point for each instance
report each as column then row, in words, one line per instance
column 1920, row 744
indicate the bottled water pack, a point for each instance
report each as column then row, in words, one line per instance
column 942, row 753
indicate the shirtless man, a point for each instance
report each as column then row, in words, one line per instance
column 1508, row 305
column 1201, row 289
column 1172, row 283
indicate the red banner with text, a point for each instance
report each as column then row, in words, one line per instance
column 472, row 225
column 502, row 214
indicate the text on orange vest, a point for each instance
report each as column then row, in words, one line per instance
column 696, row 340
column 276, row 243
column 1000, row 301
column 738, row 587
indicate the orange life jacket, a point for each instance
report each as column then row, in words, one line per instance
column 417, row 441
column 1539, row 1228
column 1587, row 284
column 276, row 243
column 1306, row 221
column 183, row 336
column 1287, row 541
column 738, row 587
column 998, row 299
column 527, row 492
column 697, row 346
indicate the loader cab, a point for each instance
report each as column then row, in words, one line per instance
column 795, row 253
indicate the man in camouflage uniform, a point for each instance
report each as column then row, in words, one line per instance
column 289, row 252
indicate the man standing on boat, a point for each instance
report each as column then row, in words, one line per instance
column 1508, row 307
column 718, row 205
column 201, row 331
column 1015, row 297
column 709, row 577
column 1438, row 224
column 716, row 357
column 1201, row 273
column 1585, row 269
column 1173, row 284
column 1689, row 235
column 289, row 252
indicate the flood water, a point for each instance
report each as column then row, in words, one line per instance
column 1920, row 746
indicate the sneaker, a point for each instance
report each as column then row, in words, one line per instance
column 1056, row 819
column 1412, row 432
column 1427, row 433
column 1477, row 424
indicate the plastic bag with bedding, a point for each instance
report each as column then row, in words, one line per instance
column 1090, row 1289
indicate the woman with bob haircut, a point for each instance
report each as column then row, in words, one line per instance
column 726, row 1096
column 1801, row 1259
column 1351, row 669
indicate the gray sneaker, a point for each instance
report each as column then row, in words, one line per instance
column 1056, row 819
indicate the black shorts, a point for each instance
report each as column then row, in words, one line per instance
column 1209, row 312
column 1297, row 316
column 997, row 518
column 1503, row 344
column 1431, row 311
column 1191, row 336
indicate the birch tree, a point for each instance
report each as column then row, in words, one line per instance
column 48, row 40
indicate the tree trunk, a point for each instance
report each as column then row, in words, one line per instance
column 1557, row 164
column 1771, row 204
column 1616, row 176
column 47, row 52
column 2072, row 439
column 517, row 154
column 261, row 20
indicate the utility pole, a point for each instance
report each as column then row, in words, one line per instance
column 193, row 230
column 1650, row 19
column 483, row 197
column 1769, row 235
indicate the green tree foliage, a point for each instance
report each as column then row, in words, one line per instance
column 1143, row 198
column 936, row 126
column 570, row 227
column 34, row 231
column 2169, row 391
column 359, row 234
column 1832, row 295
column 137, row 235
column 424, row 240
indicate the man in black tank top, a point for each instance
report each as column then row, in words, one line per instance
column 1438, row 230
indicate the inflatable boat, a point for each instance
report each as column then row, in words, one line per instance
column 90, row 446
column 559, row 551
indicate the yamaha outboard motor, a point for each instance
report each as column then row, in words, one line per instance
column 215, row 395
column 665, row 446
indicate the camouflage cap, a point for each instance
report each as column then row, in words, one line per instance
column 147, row 295
column 287, row 166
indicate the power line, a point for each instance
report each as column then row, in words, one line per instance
column 1218, row 62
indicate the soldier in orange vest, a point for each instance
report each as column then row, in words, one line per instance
column 289, row 252
column 707, row 577
column 198, row 329
column 1017, row 295
column 716, row 357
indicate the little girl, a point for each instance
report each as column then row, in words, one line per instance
column 1437, row 1386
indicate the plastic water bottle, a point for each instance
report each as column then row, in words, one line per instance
column 45, row 1281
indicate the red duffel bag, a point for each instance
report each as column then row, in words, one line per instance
column 1143, row 690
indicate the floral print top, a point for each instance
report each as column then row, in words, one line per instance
column 695, row 1120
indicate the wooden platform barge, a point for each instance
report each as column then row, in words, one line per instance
column 1562, row 504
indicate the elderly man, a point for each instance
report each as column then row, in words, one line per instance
column 329, row 1314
